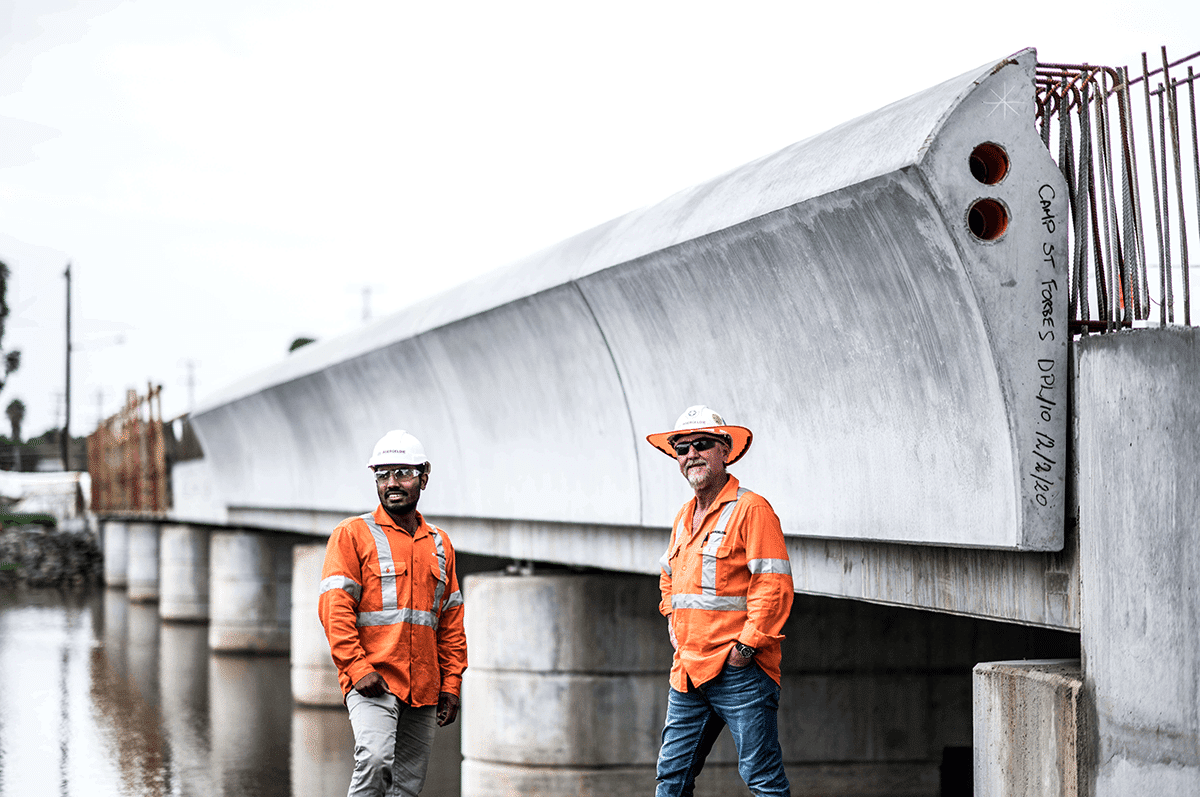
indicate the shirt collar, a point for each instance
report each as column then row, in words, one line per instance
column 385, row 521
column 728, row 493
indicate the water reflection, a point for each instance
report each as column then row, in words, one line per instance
column 100, row 698
column 183, row 678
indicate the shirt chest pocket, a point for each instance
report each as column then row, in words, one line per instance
column 715, row 567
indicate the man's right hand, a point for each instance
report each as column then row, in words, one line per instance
column 671, row 631
column 371, row 685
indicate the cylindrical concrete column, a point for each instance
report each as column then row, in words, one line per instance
column 314, row 678
column 116, row 553
column 567, row 688
column 183, row 569
column 250, row 578
column 142, row 570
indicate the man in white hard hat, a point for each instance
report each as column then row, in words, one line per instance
column 393, row 613
column 727, row 590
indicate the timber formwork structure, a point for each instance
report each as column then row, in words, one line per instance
column 127, row 458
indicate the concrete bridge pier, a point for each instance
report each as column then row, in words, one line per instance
column 566, row 691
column 1139, row 510
column 251, row 592
column 142, row 569
column 184, row 573
column 115, row 539
column 314, row 677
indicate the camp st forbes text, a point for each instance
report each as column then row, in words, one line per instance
column 1044, row 475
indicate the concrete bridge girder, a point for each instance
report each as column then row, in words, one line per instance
column 903, row 376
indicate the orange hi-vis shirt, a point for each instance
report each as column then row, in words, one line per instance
column 390, row 604
column 730, row 581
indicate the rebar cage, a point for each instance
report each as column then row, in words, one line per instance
column 1086, row 113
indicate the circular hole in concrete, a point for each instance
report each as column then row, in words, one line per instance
column 987, row 219
column 989, row 163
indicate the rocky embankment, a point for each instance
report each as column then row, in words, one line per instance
column 38, row 556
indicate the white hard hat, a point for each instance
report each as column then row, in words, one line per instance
column 700, row 418
column 397, row 447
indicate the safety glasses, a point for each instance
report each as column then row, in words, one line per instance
column 703, row 444
column 401, row 474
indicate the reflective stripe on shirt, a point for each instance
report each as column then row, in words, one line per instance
column 712, row 603
column 441, row 557
column 708, row 572
column 387, row 583
column 395, row 617
column 759, row 566
column 387, row 565
column 345, row 583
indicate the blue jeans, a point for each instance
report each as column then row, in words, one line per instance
column 745, row 699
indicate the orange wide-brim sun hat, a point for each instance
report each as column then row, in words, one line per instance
column 699, row 419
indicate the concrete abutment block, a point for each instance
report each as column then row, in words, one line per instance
column 1030, row 729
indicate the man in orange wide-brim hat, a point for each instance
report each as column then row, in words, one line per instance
column 727, row 590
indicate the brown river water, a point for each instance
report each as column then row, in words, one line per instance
column 100, row 698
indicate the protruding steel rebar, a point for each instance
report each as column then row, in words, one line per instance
column 1173, row 114
column 1154, row 182
column 1191, row 81
column 1165, row 255
column 1108, row 219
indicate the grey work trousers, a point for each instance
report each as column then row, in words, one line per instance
column 392, row 741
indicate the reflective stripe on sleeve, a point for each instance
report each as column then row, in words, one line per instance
column 455, row 599
column 711, row 603
column 663, row 564
column 758, row 566
column 344, row 583
column 397, row 616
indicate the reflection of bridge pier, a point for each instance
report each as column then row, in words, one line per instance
column 953, row 473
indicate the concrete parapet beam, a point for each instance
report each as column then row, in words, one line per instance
column 314, row 676
column 143, row 568
column 887, row 308
column 1031, row 736
column 184, row 572
column 251, row 592
column 116, row 553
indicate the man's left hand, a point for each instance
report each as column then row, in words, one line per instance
column 735, row 659
column 447, row 708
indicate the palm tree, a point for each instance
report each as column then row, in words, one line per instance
column 16, row 414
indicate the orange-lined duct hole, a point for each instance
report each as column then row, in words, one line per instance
column 989, row 163
column 987, row 219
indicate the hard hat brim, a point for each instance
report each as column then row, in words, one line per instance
column 740, row 439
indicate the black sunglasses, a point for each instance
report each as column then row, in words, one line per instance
column 703, row 444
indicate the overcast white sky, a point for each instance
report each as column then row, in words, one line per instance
column 228, row 175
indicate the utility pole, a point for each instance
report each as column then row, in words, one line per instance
column 66, row 430
column 191, row 383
